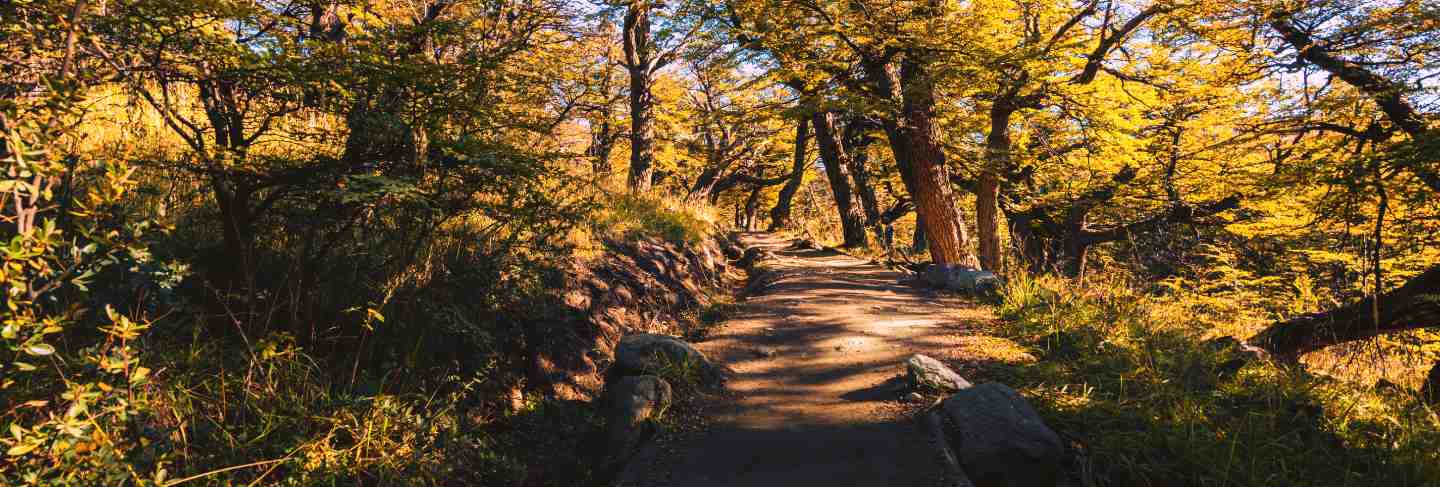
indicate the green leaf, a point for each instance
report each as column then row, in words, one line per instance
column 40, row 349
column 18, row 450
column 24, row 367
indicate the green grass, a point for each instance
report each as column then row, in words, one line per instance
column 1126, row 374
column 632, row 217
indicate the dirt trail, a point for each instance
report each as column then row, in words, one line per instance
column 812, row 355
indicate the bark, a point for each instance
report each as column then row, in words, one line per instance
column 602, row 143
column 1416, row 304
column 1057, row 238
column 1389, row 95
column 780, row 214
column 639, row 62
column 856, row 142
column 987, row 187
column 752, row 208
column 1430, row 389
column 920, row 157
column 832, row 154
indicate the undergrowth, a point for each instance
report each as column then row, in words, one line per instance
column 1131, row 377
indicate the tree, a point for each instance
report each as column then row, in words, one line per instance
column 646, row 52
column 838, row 171
column 1375, row 39
column 780, row 214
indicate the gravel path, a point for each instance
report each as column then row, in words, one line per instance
column 814, row 357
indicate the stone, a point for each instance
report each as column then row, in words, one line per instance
column 805, row 244
column 923, row 372
column 963, row 279
column 651, row 354
column 1000, row 440
column 914, row 397
column 631, row 405
column 753, row 256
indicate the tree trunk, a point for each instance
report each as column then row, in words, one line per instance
column 237, row 232
column 602, row 143
column 639, row 61
column 780, row 214
column 855, row 143
column 918, row 242
column 752, row 208
column 832, row 154
column 1430, row 389
column 987, row 187
column 1414, row 305
column 921, row 159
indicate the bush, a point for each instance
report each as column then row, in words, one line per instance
column 1129, row 376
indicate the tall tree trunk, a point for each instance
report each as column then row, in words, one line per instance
column 987, row 187
column 855, row 143
column 639, row 63
column 832, row 154
column 752, row 208
column 915, row 142
column 918, row 243
column 602, row 143
column 780, row 214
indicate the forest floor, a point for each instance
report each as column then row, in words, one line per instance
column 816, row 356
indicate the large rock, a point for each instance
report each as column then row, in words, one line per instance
column 1000, row 440
column 923, row 372
column 666, row 356
column 631, row 405
column 753, row 256
column 963, row 279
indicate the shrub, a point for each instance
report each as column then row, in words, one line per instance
column 1127, row 374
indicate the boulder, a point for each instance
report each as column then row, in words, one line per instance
column 805, row 244
column 963, row 279
column 650, row 354
column 1000, row 440
column 752, row 256
column 923, row 372
column 631, row 404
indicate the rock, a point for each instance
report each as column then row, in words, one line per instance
column 805, row 244
column 652, row 354
column 752, row 256
column 959, row 278
column 922, row 372
column 914, row 397
column 1430, row 390
column 1000, row 440
column 765, row 352
column 631, row 403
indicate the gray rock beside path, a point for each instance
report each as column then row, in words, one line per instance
column 923, row 372
column 631, row 405
column 1000, row 440
column 962, row 279
column 665, row 356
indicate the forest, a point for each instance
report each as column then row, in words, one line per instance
column 399, row 242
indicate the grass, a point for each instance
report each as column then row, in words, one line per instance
column 631, row 216
column 1128, row 376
